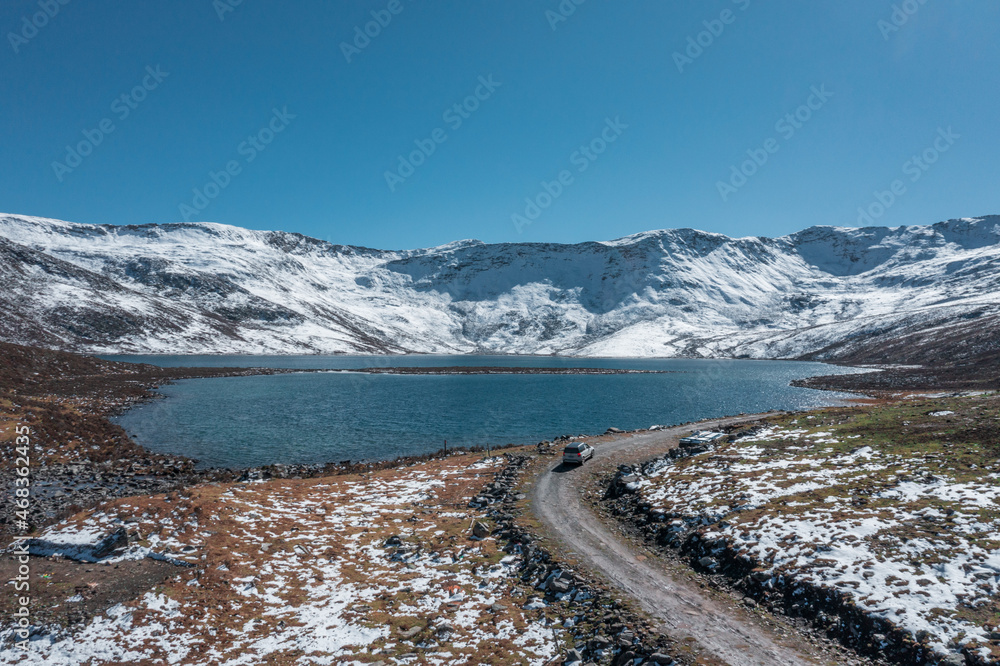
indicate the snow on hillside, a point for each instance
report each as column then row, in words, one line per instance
column 211, row 288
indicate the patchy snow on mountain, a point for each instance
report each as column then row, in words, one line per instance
column 825, row 292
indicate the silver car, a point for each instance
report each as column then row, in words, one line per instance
column 576, row 453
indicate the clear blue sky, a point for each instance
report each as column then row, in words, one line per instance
column 324, row 173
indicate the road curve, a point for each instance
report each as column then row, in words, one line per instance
column 729, row 634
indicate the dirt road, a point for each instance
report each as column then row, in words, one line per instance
column 730, row 634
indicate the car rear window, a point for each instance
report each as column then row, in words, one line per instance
column 573, row 448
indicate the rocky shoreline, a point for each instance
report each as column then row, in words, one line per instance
column 893, row 379
column 82, row 458
column 78, row 457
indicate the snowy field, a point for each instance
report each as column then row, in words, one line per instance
column 900, row 508
column 341, row 570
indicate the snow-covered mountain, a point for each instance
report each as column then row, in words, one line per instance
column 825, row 292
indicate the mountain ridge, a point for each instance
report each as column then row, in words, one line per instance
column 824, row 292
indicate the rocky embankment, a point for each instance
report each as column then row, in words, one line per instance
column 604, row 632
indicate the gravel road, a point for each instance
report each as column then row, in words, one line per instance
column 688, row 612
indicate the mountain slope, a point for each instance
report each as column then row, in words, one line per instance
column 825, row 292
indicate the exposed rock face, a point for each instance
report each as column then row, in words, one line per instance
column 863, row 295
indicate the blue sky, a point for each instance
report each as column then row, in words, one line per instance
column 595, row 120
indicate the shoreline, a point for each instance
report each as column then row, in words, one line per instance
column 495, row 370
column 102, row 388
column 45, row 389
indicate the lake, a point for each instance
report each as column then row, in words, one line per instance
column 328, row 417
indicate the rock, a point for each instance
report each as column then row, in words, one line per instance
column 626, row 657
column 599, row 642
column 110, row 543
column 953, row 660
column 573, row 656
column 411, row 632
column 559, row 585
column 497, row 608
column 480, row 530
column 708, row 563
column 660, row 658
column 761, row 576
column 394, row 540
column 612, row 431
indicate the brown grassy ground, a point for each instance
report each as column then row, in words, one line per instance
column 289, row 569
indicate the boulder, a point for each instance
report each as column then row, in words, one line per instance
column 411, row 632
column 110, row 543
column 559, row 585
column 480, row 530
column 599, row 642
column 626, row 657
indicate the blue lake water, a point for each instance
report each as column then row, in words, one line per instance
column 324, row 417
